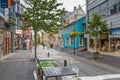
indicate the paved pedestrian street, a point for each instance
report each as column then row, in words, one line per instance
column 88, row 68
column 20, row 65
column 102, row 77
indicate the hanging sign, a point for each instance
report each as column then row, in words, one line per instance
column 18, row 31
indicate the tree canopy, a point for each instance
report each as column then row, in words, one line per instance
column 96, row 26
column 42, row 14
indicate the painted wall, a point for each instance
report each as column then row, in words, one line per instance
column 76, row 26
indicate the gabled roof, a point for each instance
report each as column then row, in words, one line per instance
column 74, row 16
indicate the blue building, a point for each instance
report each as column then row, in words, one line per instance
column 73, row 22
column 74, row 26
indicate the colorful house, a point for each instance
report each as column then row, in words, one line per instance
column 74, row 22
column 79, row 40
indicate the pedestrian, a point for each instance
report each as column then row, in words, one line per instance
column 43, row 46
column 51, row 45
column 48, row 46
column 24, row 45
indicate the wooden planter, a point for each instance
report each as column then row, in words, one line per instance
column 41, row 74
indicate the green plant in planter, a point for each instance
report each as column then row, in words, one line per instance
column 47, row 64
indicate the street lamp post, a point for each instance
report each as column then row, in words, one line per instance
column 74, row 45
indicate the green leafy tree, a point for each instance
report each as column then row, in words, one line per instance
column 96, row 26
column 12, row 21
column 42, row 15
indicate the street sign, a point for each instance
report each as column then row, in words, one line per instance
column 18, row 31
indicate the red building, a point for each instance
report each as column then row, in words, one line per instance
column 27, row 33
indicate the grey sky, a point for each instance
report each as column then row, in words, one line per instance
column 69, row 4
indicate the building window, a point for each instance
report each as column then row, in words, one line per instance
column 114, row 9
column 66, row 41
column 72, row 27
column 90, row 1
column 81, row 41
column 90, row 12
column 104, row 9
column 119, row 6
column 97, row 10
column 72, row 41
column 112, row 5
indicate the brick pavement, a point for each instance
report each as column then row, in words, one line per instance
column 111, row 59
column 17, row 66
column 77, row 61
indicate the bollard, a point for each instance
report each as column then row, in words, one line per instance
column 94, row 56
column 48, row 54
column 65, row 62
column 62, row 49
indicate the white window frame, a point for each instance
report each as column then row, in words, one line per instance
column 70, row 41
column 81, row 38
column 67, row 41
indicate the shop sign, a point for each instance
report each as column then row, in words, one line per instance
column 115, row 33
column 18, row 31
column 4, row 3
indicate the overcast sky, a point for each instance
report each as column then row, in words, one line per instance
column 69, row 4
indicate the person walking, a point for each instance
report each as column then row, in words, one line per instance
column 24, row 45
column 48, row 46
column 43, row 46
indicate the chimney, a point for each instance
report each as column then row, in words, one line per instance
column 74, row 8
column 79, row 7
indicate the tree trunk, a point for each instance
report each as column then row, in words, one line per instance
column 96, row 54
column 35, row 45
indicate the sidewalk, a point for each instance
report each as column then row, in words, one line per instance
column 105, row 58
column 17, row 66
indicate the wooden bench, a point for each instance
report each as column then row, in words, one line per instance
column 35, row 75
